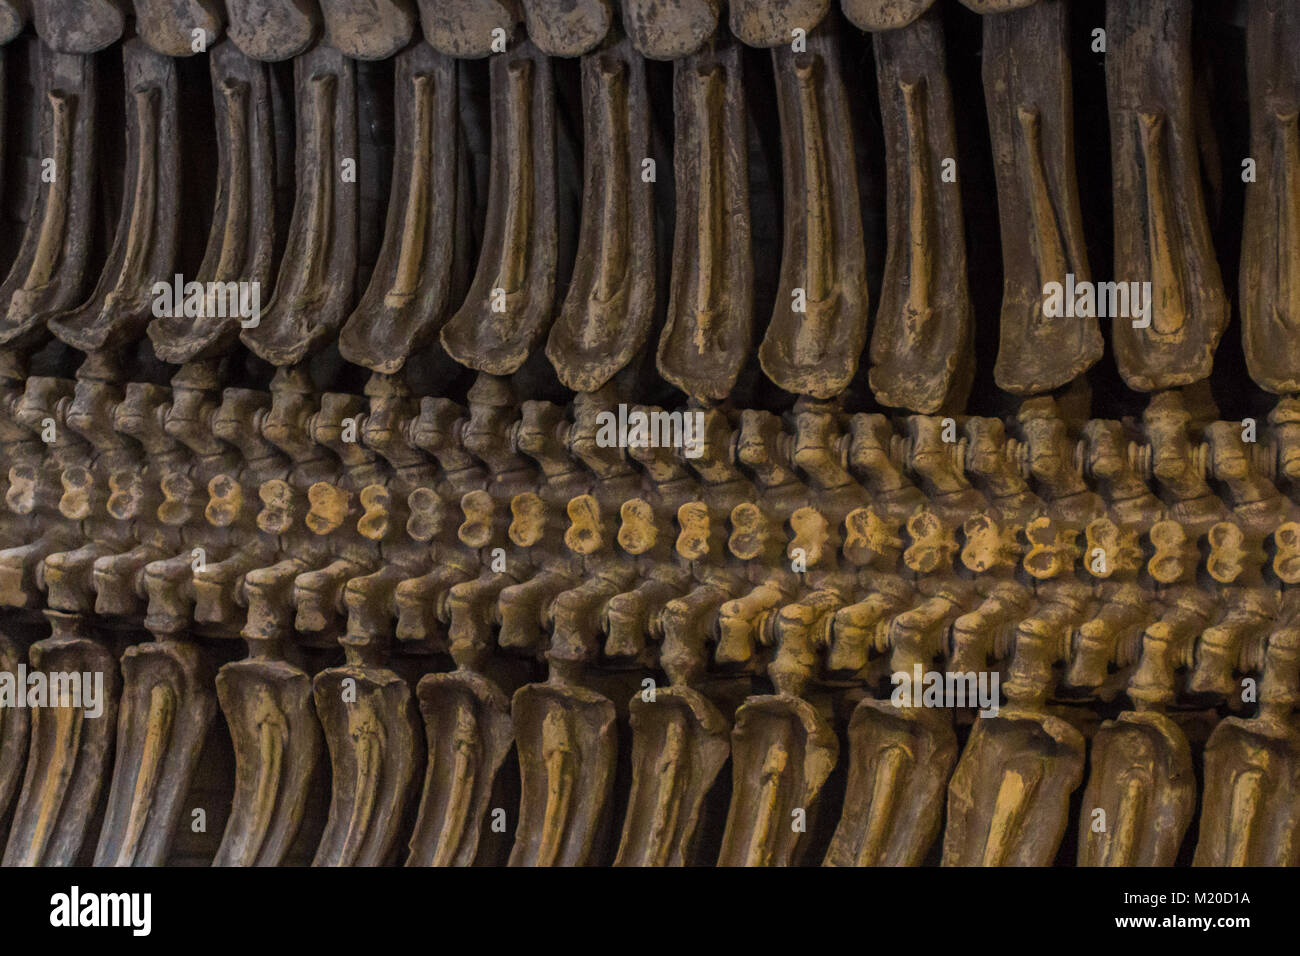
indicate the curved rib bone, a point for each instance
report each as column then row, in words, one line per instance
column 922, row 339
column 565, row 735
column 819, row 322
column 69, row 753
column 48, row 273
column 411, row 289
column 510, row 300
column 1156, row 168
column 783, row 751
column 241, row 242
column 266, row 701
column 608, row 310
column 144, row 246
column 468, row 726
column 1031, row 117
column 313, row 292
column 707, row 335
column 679, row 746
column 167, row 705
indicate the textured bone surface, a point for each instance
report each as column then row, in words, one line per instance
column 650, row 432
